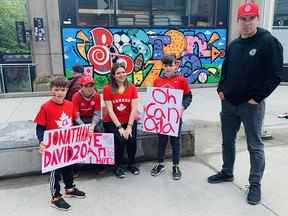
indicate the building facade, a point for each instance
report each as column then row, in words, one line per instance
column 96, row 33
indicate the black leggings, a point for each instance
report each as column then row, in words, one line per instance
column 120, row 143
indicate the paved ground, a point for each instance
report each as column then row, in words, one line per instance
column 146, row 195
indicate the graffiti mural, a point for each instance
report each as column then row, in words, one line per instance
column 200, row 52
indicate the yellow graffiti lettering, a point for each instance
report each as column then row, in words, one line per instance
column 178, row 43
column 81, row 45
column 153, row 74
column 138, row 77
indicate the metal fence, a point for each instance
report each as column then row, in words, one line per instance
column 16, row 77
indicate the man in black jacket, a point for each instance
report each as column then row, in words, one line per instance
column 250, row 73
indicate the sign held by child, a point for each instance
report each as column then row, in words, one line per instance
column 163, row 111
column 71, row 145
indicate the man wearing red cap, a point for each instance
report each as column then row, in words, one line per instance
column 250, row 73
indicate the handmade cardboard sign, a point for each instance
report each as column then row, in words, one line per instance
column 162, row 112
column 76, row 145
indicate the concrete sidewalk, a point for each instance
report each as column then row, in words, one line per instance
column 138, row 195
column 146, row 195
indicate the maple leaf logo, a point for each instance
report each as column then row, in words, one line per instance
column 65, row 121
column 121, row 107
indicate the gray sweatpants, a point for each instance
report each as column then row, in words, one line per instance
column 252, row 117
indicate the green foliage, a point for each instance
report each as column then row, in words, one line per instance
column 68, row 74
column 10, row 12
column 101, row 80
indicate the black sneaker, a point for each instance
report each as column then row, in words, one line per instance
column 157, row 169
column 220, row 177
column 60, row 204
column 133, row 169
column 74, row 192
column 254, row 195
column 119, row 172
column 176, row 172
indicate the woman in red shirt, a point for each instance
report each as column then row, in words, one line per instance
column 121, row 102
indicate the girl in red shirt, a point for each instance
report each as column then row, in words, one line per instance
column 121, row 102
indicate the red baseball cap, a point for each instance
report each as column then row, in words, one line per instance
column 84, row 80
column 248, row 9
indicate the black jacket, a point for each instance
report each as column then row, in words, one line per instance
column 252, row 68
column 74, row 86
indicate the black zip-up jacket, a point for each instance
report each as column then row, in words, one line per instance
column 252, row 68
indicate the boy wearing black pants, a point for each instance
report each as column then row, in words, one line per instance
column 53, row 114
column 171, row 79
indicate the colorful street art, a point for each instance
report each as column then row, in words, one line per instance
column 200, row 52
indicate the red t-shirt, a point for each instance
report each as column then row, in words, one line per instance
column 121, row 102
column 86, row 106
column 174, row 82
column 54, row 116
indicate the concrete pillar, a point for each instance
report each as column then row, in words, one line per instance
column 233, row 26
column 40, row 49
column 56, row 54
column 267, row 14
column 46, row 54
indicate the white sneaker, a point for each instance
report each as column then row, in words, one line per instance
column 266, row 135
column 283, row 115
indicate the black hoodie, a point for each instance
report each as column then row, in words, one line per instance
column 251, row 68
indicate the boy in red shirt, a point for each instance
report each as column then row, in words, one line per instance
column 57, row 113
column 87, row 108
column 87, row 103
column 170, row 79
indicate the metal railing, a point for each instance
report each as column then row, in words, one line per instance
column 16, row 77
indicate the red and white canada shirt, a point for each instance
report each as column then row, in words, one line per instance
column 86, row 106
column 121, row 102
column 54, row 116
